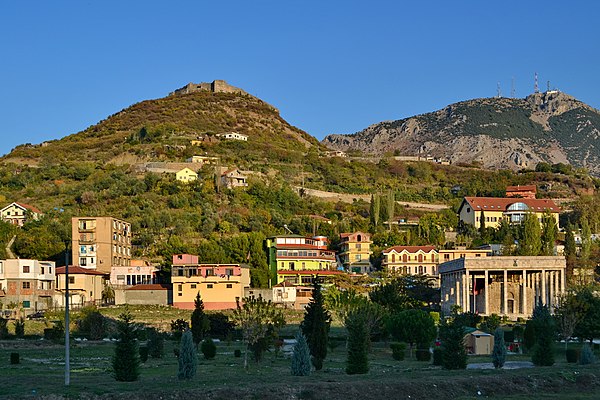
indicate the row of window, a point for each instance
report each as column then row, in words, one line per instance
column 418, row 258
column 297, row 253
column 195, row 286
column 198, row 272
column 27, row 269
column 421, row 269
column 292, row 266
column 121, row 250
column 27, row 285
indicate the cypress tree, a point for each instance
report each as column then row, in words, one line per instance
column 391, row 207
column 315, row 326
column 549, row 233
column 358, row 344
column 126, row 361
column 531, row 243
column 374, row 210
column 570, row 249
column 543, row 350
column 452, row 336
column 187, row 356
column 301, row 356
column 499, row 352
column 586, row 239
column 200, row 322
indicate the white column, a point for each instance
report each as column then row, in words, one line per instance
column 457, row 289
column 504, row 293
column 467, row 291
column 543, row 278
column 486, row 288
column 524, row 293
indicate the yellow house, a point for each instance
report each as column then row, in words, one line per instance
column 19, row 213
column 493, row 210
column 355, row 252
column 186, row 175
column 85, row 286
column 220, row 285
column 410, row 260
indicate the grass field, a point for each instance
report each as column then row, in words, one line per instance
column 40, row 374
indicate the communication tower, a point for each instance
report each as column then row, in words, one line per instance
column 536, row 89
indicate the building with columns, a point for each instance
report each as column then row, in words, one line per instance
column 507, row 286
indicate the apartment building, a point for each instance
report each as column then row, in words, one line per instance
column 100, row 243
column 27, row 283
column 220, row 286
column 355, row 252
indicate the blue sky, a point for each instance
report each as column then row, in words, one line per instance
column 329, row 66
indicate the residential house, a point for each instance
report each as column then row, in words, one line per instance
column 507, row 286
column 221, row 286
column 493, row 210
column 27, row 283
column 233, row 178
column 410, row 260
column 523, row 192
column 232, row 136
column 139, row 272
column 186, row 175
column 85, row 286
column 203, row 160
column 298, row 259
column 355, row 252
column 19, row 213
column 100, row 243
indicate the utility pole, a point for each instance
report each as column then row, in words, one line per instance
column 67, row 355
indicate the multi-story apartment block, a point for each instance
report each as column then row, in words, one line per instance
column 100, row 243
column 27, row 283
column 220, row 286
column 355, row 252
column 298, row 259
column 19, row 213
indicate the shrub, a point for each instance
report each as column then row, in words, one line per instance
column 398, row 350
column 543, row 324
column 509, row 336
column 571, row 355
column 3, row 328
column 220, row 326
column 208, row 348
column 301, row 357
column 200, row 324
column 14, row 358
column 126, row 361
column 178, row 326
column 437, row 356
column 315, row 326
column 358, row 343
column 143, row 353
column 499, row 352
column 454, row 354
column 20, row 327
column 187, row 357
column 587, row 355
column 423, row 355
column 91, row 323
column 237, row 353
column 155, row 343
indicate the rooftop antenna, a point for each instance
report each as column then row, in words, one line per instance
column 498, row 91
column 536, row 89
column 548, row 86
column 512, row 88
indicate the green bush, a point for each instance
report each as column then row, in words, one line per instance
column 14, row 358
column 187, row 357
column 3, row 328
column 499, row 352
column 587, row 355
column 20, row 327
column 126, row 361
column 572, row 355
column 301, row 364
column 237, row 353
column 358, row 344
column 423, row 355
column 91, row 323
column 208, row 348
column 437, row 356
column 155, row 343
column 143, row 353
column 398, row 350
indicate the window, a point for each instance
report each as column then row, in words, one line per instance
column 307, row 279
column 25, row 269
column 229, row 271
column 193, row 286
column 404, row 258
column 179, row 287
column 292, row 266
column 229, row 286
column 72, row 280
column 357, row 257
column 393, row 258
column 82, row 262
column 209, row 286
column 179, row 294
column 26, row 304
column 26, row 285
column 42, row 270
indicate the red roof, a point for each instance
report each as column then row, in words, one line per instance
column 154, row 286
column 519, row 188
column 502, row 203
column 74, row 269
column 410, row 249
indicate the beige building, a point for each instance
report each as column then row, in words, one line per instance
column 410, row 260
column 355, row 252
column 507, row 286
column 100, row 243
column 186, row 175
column 85, row 286
column 219, row 285
column 233, row 178
column 27, row 283
column 19, row 213
column 494, row 210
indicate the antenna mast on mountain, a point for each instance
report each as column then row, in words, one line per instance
column 512, row 88
column 498, row 91
column 536, row 89
column 548, row 86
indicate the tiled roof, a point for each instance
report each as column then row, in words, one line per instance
column 74, row 269
column 501, row 204
column 410, row 249
column 519, row 188
column 155, row 286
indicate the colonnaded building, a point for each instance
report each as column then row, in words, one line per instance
column 507, row 286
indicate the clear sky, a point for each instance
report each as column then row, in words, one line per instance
column 329, row 66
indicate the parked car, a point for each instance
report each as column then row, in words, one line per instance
column 36, row 315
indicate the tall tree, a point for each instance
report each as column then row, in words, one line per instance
column 358, row 344
column 374, row 210
column 452, row 336
column 544, row 328
column 391, row 207
column 499, row 352
column 200, row 321
column 126, row 361
column 531, row 242
column 549, row 234
column 188, row 359
column 570, row 249
column 586, row 240
column 315, row 326
column 301, row 356
column 413, row 327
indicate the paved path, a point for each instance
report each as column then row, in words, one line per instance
column 507, row 365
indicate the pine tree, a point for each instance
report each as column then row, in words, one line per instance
column 452, row 336
column 301, row 356
column 200, row 322
column 126, row 361
column 549, row 233
column 544, row 327
column 187, row 356
column 531, row 243
column 358, row 344
column 316, row 326
column 499, row 353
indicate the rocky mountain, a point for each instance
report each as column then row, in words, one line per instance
column 552, row 127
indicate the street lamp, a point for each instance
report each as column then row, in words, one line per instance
column 67, row 356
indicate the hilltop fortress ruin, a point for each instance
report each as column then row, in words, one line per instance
column 216, row 86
